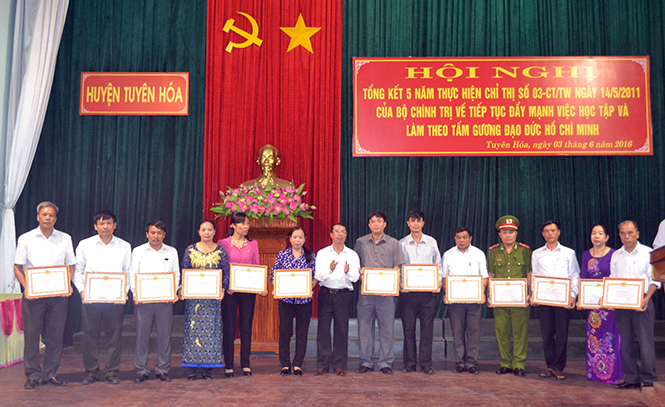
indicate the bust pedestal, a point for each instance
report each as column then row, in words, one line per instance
column 271, row 238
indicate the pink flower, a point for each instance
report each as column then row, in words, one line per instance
column 312, row 207
column 303, row 207
column 286, row 211
column 293, row 205
column 228, row 205
column 278, row 207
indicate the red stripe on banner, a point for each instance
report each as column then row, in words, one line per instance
column 262, row 93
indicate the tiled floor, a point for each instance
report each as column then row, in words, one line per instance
column 267, row 387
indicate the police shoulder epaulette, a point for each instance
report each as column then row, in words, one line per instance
column 525, row 245
column 492, row 247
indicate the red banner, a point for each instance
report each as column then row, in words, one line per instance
column 134, row 93
column 502, row 106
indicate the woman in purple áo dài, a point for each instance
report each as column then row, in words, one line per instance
column 603, row 345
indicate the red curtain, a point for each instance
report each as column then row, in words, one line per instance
column 261, row 95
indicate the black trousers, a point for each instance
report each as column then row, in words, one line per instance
column 237, row 308
column 95, row 318
column 338, row 305
column 303, row 314
column 412, row 306
column 554, row 330
column 50, row 315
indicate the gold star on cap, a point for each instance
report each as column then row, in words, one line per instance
column 300, row 35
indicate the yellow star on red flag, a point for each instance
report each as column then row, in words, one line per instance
column 300, row 35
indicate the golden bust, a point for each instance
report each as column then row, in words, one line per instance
column 267, row 160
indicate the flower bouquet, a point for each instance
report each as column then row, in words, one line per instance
column 258, row 202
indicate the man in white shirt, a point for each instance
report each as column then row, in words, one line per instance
column 337, row 268
column 555, row 260
column 418, row 248
column 659, row 240
column 43, row 247
column 633, row 261
column 107, row 253
column 465, row 319
column 153, row 257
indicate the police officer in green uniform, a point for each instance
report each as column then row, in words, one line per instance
column 510, row 259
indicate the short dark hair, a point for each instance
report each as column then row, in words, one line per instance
column 550, row 222
column 237, row 217
column 602, row 226
column 336, row 224
column 629, row 221
column 156, row 223
column 207, row 221
column 104, row 214
column 416, row 215
column 463, row 229
column 378, row 215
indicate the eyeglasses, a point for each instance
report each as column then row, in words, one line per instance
column 337, row 232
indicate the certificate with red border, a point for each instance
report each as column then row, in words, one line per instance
column 554, row 291
column 49, row 281
column 105, row 287
column 380, row 281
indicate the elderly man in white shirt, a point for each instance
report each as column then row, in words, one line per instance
column 465, row 319
column 337, row 268
column 633, row 261
column 418, row 248
column 555, row 260
column 107, row 253
column 153, row 257
column 43, row 246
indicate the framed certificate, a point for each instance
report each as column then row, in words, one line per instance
column 154, row 287
column 105, row 287
column 51, row 281
column 202, row 283
column 507, row 292
column 554, row 291
column 623, row 293
column 378, row 281
column 464, row 289
column 591, row 291
column 248, row 278
column 295, row 283
column 420, row 277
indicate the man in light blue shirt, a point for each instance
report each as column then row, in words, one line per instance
column 418, row 248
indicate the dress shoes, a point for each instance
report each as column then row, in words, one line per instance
column 163, row 377
column 386, row 370
column 428, row 370
column 365, row 369
column 30, row 384
column 319, row 372
column 625, row 386
column 112, row 380
column 89, row 379
column 341, row 372
column 206, row 376
column 519, row 372
column 474, row 370
column 297, row 372
column 458, row 369
column 504, row 370
column 409, row 369
column 285, row 371
column 228, row 373
column 54, row 381
column 246, row 371
column 647, row 384
column 141, row 378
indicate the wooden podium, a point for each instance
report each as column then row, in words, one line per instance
column 271, row 238
column 658, row 263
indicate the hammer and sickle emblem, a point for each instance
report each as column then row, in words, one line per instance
column 251, row 38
